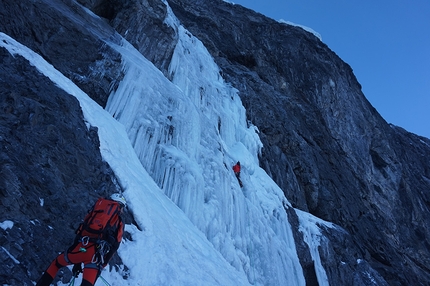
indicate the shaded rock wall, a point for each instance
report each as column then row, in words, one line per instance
column 339, row 159
column 69, row 38
column 51, row 170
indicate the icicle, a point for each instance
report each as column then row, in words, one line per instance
column 188, row 133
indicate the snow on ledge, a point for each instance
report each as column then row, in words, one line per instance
column 307, row 29
column 310, row 227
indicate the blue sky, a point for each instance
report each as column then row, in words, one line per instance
column 387, row 44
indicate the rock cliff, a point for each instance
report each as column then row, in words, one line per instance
column 328, row 149
column 323, row 137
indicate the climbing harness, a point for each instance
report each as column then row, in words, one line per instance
column 102, row 248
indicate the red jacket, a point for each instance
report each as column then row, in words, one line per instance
column 236, row 168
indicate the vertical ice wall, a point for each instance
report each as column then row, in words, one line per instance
column 188, row 133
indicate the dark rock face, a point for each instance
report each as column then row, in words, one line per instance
column 142, row 24
column 68, row 38
column 352, row 167
column 325, row 145
column 51, row 170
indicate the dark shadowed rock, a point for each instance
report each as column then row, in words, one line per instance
column 51, row 171
column 70, row 39
column 322, row 137
column 142, row 23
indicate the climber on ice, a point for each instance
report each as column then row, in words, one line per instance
column 236, row 170
column 97, row 239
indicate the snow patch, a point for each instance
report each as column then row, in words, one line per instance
column 332, row 83
column 309, row 226
column 6, row 224
column 307, row 29
column 426, row 143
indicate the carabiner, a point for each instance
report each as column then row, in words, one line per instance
column 85, row 240
column 94, row 260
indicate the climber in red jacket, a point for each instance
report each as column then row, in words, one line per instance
column 236, row 170
column 97, row 239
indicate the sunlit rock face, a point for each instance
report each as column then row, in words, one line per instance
column 323, row 143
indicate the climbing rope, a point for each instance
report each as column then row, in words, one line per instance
column 104, row 280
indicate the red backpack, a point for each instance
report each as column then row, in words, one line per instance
column 102, row 220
